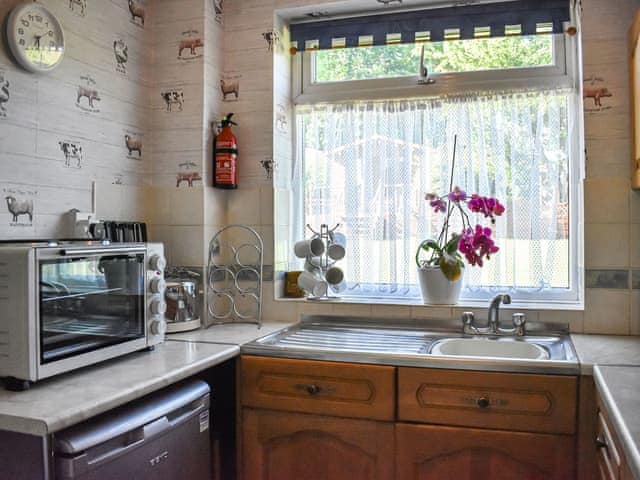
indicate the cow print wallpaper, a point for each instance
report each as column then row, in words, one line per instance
column 127, row 109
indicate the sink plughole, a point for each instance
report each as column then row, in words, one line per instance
column 484, row 347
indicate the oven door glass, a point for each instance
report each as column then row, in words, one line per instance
column 90, row 302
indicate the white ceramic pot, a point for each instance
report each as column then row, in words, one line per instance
column 436, row 288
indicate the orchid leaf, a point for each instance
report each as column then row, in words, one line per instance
column 450, row 265
column 452, row 245
column 427, row 245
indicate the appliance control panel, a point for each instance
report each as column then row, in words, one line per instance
column 156, row 305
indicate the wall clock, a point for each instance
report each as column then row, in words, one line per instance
column 35, row 37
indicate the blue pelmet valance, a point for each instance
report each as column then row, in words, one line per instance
column 496, row 19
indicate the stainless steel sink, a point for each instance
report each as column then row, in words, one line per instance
column 489, row 347
column 547, row 349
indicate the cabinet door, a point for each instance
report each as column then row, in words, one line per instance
column 425, row 452
column 289, row 446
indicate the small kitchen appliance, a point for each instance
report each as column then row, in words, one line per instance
column 163, row 435
column 67, row 304
column 181, row 296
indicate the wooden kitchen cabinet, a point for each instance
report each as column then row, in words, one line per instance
column 317, row 420
column 327, row 388
column 612, row 464
column 427, row 452
column 291, row 446
column 507, row 401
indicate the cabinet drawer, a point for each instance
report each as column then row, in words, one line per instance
column 521, row 402
column 337, row 389
column 608, row 457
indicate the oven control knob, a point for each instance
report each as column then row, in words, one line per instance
column 157, row 262
column 157, row 285
column 158, row 307
column 158, row 327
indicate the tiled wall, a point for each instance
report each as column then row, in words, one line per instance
column 182, row 207
column 40, row 114
column 42, row 111
column 612, row 210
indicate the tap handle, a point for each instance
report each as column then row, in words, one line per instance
column 519, row 322
column 469, row 323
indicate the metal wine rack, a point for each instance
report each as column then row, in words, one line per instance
column 234, row 276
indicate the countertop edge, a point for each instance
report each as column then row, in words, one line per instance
column 629, row 447
column 41, row 426
column 140, row 390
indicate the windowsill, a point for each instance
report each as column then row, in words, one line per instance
column 526, row 306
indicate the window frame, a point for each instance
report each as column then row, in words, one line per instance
column 306, row 91
column 563, row 74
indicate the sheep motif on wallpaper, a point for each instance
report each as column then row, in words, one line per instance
column 4, row 97
column 190, row 44
column 133, row 145
column 19, row 207
column 228, row 87
column 121, row 52
column 173, row 97
column 71, row 151
column 137, row 11
column 81, row 4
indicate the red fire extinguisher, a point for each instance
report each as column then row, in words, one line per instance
column 225, row 156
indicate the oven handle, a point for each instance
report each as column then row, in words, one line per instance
column 98, row 251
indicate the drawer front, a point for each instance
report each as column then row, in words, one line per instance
column 521, row 402
column 338, row 389
column 609, row 458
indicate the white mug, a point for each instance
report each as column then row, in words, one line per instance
column 313, row 247
column 340, row 287
column 337, row 247
column 334, row 276
column 312, row 265
column 312, row 284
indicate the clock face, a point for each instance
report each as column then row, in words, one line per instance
column 35, row 37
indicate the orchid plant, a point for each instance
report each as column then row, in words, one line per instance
column 474, row 242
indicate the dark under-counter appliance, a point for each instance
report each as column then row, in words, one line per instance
column 69, row 304
column 162, row 436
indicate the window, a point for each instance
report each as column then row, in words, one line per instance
column 371, row 143
column 388, row 61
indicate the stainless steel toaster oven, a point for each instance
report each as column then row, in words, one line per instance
column 66, row 305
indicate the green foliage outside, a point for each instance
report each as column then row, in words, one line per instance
column 441, row 57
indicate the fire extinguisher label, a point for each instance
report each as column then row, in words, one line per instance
column 225, row 168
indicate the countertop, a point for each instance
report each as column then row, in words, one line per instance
column 618, row 388
column 230, row 333
column 59, row 402
column 56, row 403
column 605, row 350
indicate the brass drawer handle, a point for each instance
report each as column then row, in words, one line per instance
column 483, row 402
column 313, row 389
column 601, row 443
column 310, row 389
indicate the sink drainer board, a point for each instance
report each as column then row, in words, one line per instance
column 354, row 339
